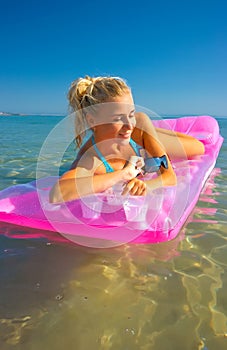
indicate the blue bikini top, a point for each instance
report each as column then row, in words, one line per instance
column 136, row 148
column 152, row 164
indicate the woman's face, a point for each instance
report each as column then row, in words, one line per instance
column 115, row 119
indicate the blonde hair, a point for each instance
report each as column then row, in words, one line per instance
column 87, row 92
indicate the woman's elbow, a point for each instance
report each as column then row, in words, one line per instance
column 173, row 179
column 201, row 148
column 53, row 199
column 169, row 179
column 55, row 195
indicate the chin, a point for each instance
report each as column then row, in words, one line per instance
column 123, row 141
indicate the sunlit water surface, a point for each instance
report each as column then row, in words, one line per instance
column 168, row 296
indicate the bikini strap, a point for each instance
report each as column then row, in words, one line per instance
column 108, row 167
column 135, row 147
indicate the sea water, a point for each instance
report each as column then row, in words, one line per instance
column 59, row 295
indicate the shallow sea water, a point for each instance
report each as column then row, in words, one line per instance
column 57, row 295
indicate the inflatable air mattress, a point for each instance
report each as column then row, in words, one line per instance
column 111, row 219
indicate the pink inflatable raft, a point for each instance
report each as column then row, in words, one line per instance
column 110, row 219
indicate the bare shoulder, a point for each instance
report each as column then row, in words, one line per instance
column 81, row 167
column 140, row 117
column 143, row 121
column 144, row 127
column 84, row 150
column 87, row 162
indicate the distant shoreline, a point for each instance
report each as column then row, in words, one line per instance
column 9, row 114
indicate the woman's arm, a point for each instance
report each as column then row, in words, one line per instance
column 179, row 145
column 154, row 148
column 79, row 182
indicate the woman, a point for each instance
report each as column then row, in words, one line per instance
column 105, row 106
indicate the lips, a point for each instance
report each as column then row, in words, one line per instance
column 125, row 135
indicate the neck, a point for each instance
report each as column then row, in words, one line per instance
column 110, row 146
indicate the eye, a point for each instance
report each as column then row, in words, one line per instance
column 118, row 119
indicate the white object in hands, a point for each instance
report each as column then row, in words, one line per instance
column 137, row 161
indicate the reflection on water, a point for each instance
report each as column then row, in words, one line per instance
column 169, row 296
column 166, row 296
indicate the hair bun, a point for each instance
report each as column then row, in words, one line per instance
column 78, row 89
column 84, row 84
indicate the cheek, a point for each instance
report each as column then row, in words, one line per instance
column 107, row 130
column 112, row 127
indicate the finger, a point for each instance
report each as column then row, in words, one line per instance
column 134, row 190
column 124, row 192
column 127, row 188
column 137, row 192
column 142, row 191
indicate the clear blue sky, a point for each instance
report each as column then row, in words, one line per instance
column 172, row 53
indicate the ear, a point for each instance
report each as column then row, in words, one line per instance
column 90, row 120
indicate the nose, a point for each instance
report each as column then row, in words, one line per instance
column 129, row 123
column 128, row 126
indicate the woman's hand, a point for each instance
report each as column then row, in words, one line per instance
column 137, row 161
column 135, row 187
column 133, row 168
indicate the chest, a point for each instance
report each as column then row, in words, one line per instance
column 115, row 161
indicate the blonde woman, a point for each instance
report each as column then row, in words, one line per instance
column 120, row 136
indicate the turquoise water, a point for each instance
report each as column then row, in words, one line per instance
column 168, row 296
